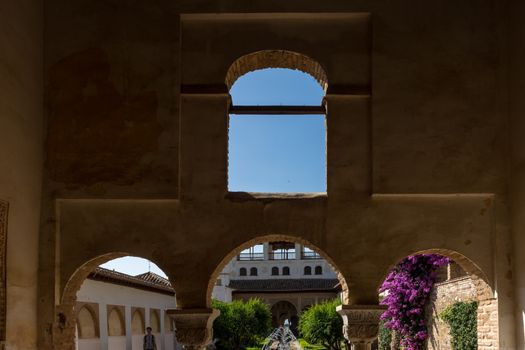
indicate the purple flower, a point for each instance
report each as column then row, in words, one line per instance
column 408, row 287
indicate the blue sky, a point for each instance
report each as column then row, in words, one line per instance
column 277, row 153
column 268, row 153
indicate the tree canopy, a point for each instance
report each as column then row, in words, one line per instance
column 241, row 324
column 321, row 324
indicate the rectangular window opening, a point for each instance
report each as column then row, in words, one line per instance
column 277, row 153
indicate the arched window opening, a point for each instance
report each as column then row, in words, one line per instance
column 279, row 278
column 277, row 128
column 242, row 271
column 318, row 270
column 253, row 271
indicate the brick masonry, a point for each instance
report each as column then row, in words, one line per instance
column 458, row 286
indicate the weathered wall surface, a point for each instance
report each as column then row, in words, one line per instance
column 517, row 117
column 416, row 150
column 21, row 152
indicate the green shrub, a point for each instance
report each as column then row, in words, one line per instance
column 241, row 324
column 462, row 319
column 321, row 324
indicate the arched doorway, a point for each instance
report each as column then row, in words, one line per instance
column 284, row 311
column 280, row 283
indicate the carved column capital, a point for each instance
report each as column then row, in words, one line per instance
column 193, row 327
column 361, row 323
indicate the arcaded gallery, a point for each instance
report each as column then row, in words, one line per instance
column 121, row 123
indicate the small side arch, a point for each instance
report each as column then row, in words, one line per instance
column 116, row 325
column 87, row 323
column 270, row 238
column 138, row 325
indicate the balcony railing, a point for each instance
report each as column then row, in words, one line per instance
column 282, row 255
column 250, row 256
column 310, row 256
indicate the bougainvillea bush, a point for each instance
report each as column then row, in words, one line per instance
column 407, row 288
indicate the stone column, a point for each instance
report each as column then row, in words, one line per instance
column 193, row 327
column 266, row 251
column 361, row 324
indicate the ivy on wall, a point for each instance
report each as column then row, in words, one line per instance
column 462, row 320
column 385, row 337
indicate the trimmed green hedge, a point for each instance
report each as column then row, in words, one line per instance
column 462, row 319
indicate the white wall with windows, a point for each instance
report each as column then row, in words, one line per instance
column 114, row 317
column 267, row 261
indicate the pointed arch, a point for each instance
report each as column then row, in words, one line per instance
column 154, row 320
column 87, row 323
column 116, row 325
column 138, row 325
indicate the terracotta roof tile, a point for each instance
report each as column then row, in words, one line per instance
column 148, row 280
column 273, row 285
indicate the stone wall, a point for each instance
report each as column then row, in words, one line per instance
column 21, row 132
column 456, row 289
column 137, row 137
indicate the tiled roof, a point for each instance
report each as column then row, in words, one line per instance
column 275, row 285
column 148, row 280
column 155, row 279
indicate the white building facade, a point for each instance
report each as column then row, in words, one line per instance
column 113, row 310
column 287, row 276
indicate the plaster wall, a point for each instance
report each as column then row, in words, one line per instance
column 102, row 293
column 417, row 140
column 21, row 131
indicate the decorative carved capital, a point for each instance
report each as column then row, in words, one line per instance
column 361, row 322
column 194, row 327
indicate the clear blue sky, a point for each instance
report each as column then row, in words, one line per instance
column 277, row 153
column 268, row 153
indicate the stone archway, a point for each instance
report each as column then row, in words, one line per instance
column 270, row 238
column 275, row 59
column 65, row 321
column 482, row 292
column 283, row 311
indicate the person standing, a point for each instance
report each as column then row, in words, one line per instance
column 149, row 340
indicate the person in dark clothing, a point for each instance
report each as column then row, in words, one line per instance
column 149, row 340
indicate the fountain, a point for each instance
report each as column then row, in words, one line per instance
column 282, row 338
